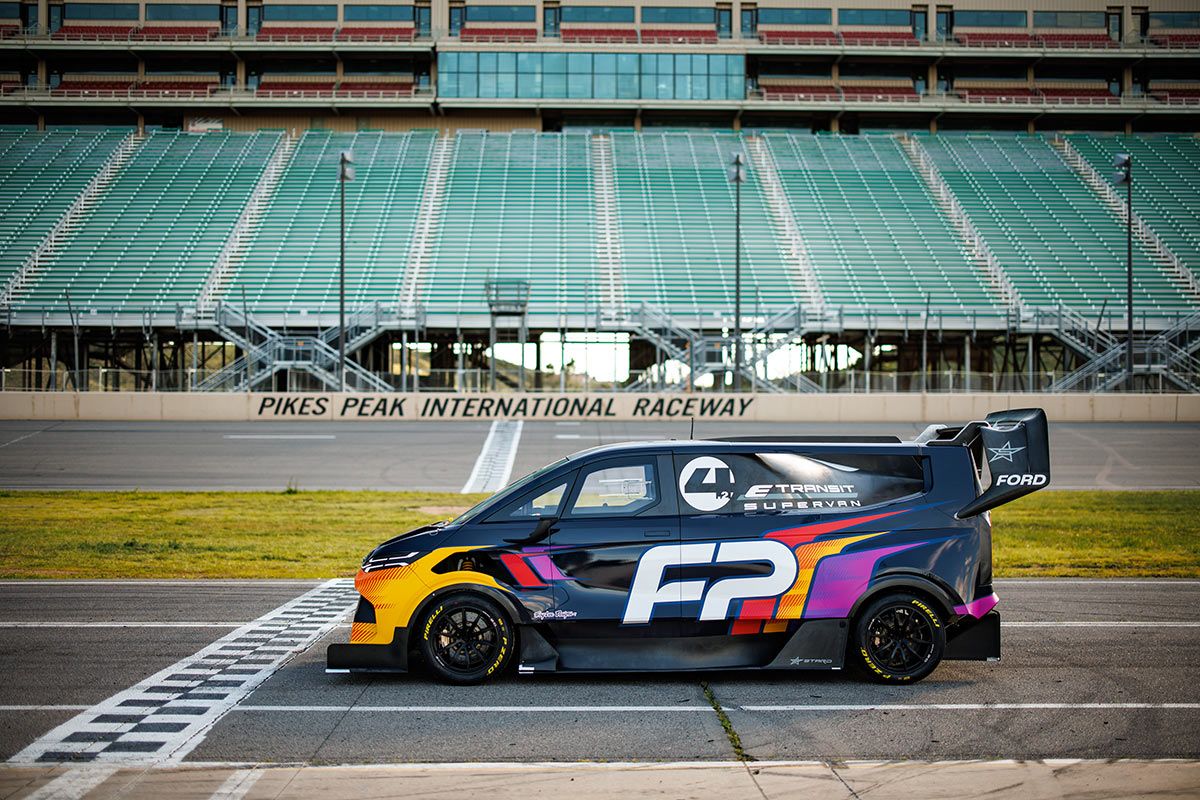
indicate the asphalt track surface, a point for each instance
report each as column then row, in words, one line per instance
column 439, row 455
column 1091, row 669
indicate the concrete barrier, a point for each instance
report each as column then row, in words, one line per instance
column 592, row 406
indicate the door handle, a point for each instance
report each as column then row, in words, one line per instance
column 658, row 534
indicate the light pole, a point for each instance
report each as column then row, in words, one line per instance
column 1124, row 175
column 737, row 176
column 345, row 175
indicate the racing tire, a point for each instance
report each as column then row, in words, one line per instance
column 465, row 638
column 898, row 638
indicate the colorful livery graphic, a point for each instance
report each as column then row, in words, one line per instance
column 769, row 553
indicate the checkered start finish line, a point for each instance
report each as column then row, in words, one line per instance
column 162, row 718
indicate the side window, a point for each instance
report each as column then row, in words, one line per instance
column 793, row 483
column 543, row 502
column 623, row 490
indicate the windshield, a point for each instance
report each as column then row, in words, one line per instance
column 508, row 491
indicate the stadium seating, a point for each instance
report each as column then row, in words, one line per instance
column 786, row 90
column 481, row 34
column 295, row 33
column 676, row 214
column 679, row 36
column 283, row 88
column 352, row 87
column 176, row 33
column 598, row 35
column 874, row 234
column 996, row 39
column 1056, row 239
column 73, row 32
column 1166, row 188
column 151, row 240
column 365, row 33
column 1085, row 40
column 798, row 37
column 291, row 264
column 41, row 174
column 885, row 38
column 517, row 206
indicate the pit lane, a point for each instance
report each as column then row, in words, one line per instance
column 1091, row 669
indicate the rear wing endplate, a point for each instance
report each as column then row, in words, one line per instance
column 1015, row 445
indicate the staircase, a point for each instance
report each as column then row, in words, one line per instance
column 47, row 250
column 608, row 234
column 977, row 247
column 425, row 230
column 1143, row 233
column 265, row 353
column 784, row 221
column 1170, row 354
column 685, row 346
column 229, row 260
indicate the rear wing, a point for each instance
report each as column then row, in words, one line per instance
column 1015, row 446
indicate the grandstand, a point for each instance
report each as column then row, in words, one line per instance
column 927, row 192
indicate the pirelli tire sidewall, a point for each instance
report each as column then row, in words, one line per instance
column 860, row 655
column 477, row 601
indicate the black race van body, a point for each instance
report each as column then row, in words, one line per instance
column 753, row 553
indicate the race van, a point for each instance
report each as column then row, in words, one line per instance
column 781, row 553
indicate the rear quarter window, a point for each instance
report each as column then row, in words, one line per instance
column 772, row 482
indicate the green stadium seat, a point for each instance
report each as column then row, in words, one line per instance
column 41, row 175
column 1053, row 235
column 153, row 237
column 292, row 261
column 875, row 236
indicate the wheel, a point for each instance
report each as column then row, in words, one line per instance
column 898, row 638
column 465, row 638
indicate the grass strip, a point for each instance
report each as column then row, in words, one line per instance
column 323, row 534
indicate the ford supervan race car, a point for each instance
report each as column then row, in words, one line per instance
column 764, row 552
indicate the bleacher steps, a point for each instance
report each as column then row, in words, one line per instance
column 226, row 265
column 1142, row 232
column 46, row 251
column 425, row 230
column 977, row 247
column 608, row 232
column 784, row 221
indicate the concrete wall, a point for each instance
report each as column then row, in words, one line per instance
column 597, row 406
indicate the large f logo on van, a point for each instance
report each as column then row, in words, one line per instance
column 648, row 589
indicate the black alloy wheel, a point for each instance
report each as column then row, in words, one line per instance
column 465, row 639
column 899, row 638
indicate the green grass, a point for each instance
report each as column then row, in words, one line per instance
column 324, row 534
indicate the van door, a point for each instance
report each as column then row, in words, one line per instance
column 763, row 510
column 618, row 520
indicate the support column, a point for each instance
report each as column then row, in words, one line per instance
column 53, row 361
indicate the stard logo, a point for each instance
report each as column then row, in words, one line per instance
column 1004, row 453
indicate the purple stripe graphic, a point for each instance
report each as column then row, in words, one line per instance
column 979, row 606
column 546, row 568
column 841, row 579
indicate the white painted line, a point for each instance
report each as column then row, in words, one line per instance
column 975, row 707
column 567, row 436
column 642, row 766
column 237, row 785
column 4, row 624
column 73, row 784
column 280, row 436
column 494, row 464
column 54, row 583
column 194, row 693
column 1100, row 623
column 477, row 709
column 20, row 438
column 1160, row 582
column 43, row 708
column 568, row 424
